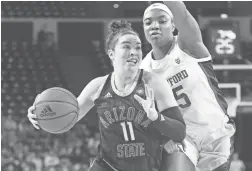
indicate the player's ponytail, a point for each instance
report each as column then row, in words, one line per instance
column 116, row 29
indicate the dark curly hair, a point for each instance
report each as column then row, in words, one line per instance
column 116, row 28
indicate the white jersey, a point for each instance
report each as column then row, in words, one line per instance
column 194, row 85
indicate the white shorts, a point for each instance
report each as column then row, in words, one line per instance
column 210, row 151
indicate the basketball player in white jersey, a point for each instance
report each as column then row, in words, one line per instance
column 186, row 64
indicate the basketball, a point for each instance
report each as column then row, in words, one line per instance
column 56, row 109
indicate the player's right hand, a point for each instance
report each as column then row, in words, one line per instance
column 32, row 117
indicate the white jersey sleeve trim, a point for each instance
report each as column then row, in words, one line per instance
column 204, row 59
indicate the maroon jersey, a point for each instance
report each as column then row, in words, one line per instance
column 127, row 139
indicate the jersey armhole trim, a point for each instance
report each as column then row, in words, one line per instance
column 209, row 58
column 99, row 91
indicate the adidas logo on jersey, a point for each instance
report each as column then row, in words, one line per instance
column 108, row 95
column 47, row 111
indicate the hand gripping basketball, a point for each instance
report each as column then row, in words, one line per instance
column 32, row 117
column 148, row 104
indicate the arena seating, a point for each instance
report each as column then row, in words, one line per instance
column 44, row 9
column 26, row 71
column 17, row 67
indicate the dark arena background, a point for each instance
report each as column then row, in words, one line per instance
column 61, row 44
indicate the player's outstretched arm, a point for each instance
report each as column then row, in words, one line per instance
column 89, row 94
column 189, row 37
column 85, row 100
column 169, row 121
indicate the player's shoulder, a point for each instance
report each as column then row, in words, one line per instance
column 98, row 82
column 146, row 60
column 147, row 76
column 160, row 87
column 94, row 87
column 148, row 55
column 151, row 78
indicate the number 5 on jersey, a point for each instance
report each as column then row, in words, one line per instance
column 183, row 96
column 131, row 131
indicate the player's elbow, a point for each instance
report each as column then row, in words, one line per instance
column 177, row 132
column 181, row 133
column 171, row 124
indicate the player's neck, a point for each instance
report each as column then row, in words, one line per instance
column 159, row 52
column 124, row 81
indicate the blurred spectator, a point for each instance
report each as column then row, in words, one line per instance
column 10, row 124
column 93, row 144
column 65, row 164
column 237, row 164
column 9, row 167
column 50, row 42
column 26, row 166
column 84, row 130
column 33, row 158
column 46, row 40
column 51, row 159
column 42, row 34
column 80, row 167
column 77, row 155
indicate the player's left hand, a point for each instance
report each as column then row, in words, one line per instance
column 171, row 147
column 149, row 103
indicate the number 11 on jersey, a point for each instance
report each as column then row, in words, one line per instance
column 131, row 131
